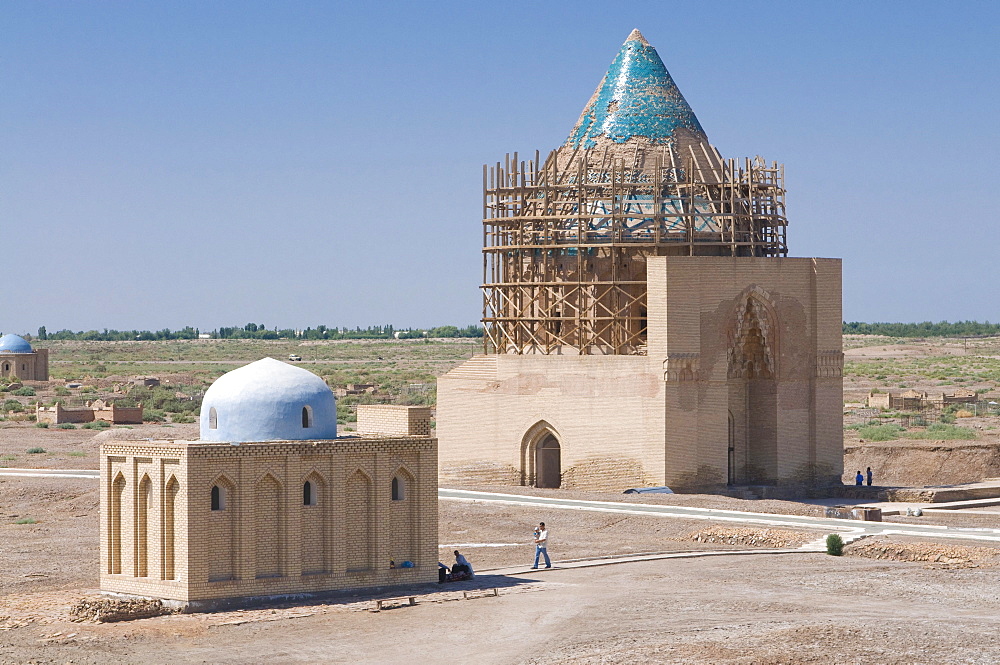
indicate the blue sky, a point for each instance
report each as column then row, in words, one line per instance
column 165, row 164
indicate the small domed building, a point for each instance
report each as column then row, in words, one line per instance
column 19, row 360
column 269, row 501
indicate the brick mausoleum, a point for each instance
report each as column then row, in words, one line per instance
column 643, row 322
column 269, row 501
column 19, row 360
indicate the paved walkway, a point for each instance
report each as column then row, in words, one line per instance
column 52, row 473
column 849, row 529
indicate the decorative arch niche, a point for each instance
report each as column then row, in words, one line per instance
column 753, row 370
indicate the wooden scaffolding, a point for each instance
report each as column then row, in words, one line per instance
column 565, row 241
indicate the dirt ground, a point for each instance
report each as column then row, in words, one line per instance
column 892, row 601
column 789, row 608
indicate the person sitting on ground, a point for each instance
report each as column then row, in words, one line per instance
column 462, row 564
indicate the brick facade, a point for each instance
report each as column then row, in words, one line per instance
column 32, row 366
column 742, row 354
column 393, row 420
column 269, row 535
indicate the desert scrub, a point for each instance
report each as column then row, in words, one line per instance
column 35, row 451
column 42, row 425
column 77, row 453
column 154, row 416
column 66, row 426
column 887, row 432
column 834, row 544
column 97, row 424
column 943, row 431
column 26, row 391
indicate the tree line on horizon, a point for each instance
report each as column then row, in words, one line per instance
column 924, row 329
column 260, row 331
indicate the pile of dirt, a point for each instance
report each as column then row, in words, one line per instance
column 107, row 610
column 748, row 537
column 919, row 463
column 948, row 556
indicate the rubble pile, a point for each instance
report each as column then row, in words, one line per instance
column 948, row 556
column 107, row 610
column 751, row 537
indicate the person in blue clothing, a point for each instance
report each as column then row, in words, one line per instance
column 541, row 545
column 859, row 479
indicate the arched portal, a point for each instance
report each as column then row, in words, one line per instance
column 753, row 401
column 548, row 463
column 541, row 456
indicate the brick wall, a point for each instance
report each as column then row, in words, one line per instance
column 393, row 420
column 667, row 418
column 264, row 539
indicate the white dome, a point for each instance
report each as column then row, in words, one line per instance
column 268, row 400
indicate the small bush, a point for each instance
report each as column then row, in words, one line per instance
column 77, row 453
column 66, row 426
column 154, row 416
column 62, row 391
column 964, row 414
column 947, row 418
column 42, row 425
column 97, row 424
column 183, row 419
column 35, row 451
column 26, row 391
column 834, row 544
column 13, row 406
column 26, row 520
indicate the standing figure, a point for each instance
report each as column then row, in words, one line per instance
column 859, row 479
column 541, row 545
column 869, row 476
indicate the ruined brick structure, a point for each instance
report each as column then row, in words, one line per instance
column 643, row 322
column 291, row 510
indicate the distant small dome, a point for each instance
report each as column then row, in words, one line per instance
column 14, row 344
column 268, row 400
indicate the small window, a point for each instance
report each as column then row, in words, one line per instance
column 308, row 494
column 213, row 418
column 218, row 498
column 398, row 489
column 307, row 417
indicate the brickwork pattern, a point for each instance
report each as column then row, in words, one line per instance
column 26, row 366
column 393, row 420
column 742, row 352
column 264, row 539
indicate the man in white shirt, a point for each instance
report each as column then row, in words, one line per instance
column 541, row 545
column 460, row 561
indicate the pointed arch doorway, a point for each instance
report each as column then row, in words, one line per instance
column 541, row 457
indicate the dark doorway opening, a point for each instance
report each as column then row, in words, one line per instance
column 548, row 469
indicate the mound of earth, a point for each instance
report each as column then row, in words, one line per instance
column 920, row 463
column 751, row 537
column 949, row 556
column 107, row 610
